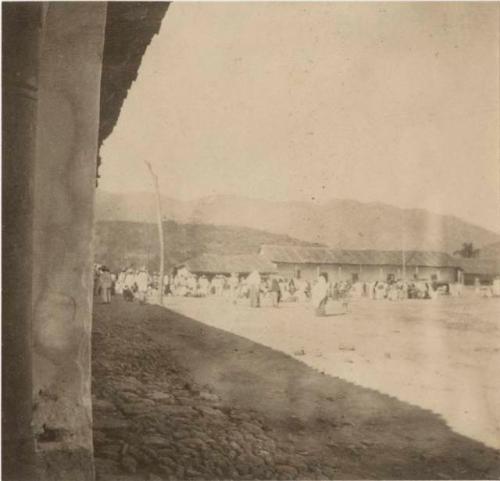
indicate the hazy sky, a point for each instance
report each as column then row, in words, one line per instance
column 397, row 103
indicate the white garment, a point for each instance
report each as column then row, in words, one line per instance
column 319, row 291
column 253, row 279
column 129, row 280
column 142, row 281
column 120, row 282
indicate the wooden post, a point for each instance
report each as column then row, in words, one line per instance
column 404, row 263
column 160, row 228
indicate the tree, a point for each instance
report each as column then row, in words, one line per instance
column 467, row 250
column 160, row 228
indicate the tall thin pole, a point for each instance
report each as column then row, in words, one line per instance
column 160, row 227
column 404, row 263
column 403, row 247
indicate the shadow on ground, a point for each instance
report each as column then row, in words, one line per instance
column 249, row 412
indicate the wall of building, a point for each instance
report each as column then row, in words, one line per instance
column 65, row 166
column 365, row 273
column 51, row 70
column 21, row 29
column 445, row 274
column 308, row 272
column 484, row 279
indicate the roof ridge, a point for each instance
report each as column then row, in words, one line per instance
column 337, row 249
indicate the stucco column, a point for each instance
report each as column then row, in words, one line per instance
column 21, row 30
column 65, row 168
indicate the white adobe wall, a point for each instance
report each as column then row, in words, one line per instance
column 365, row 273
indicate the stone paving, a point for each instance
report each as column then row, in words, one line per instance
column 157, row 378
column 151, row 421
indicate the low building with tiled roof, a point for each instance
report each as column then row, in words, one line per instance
column 481, row 268
column 365, row 265
column 212, row 264
column 340, row 264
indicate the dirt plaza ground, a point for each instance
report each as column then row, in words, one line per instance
column 175, row 398
column 441, row 354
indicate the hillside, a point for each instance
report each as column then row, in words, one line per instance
column 339, row 223
column 120, row 243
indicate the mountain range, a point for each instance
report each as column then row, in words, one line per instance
column 122, row 243
column 339, row 223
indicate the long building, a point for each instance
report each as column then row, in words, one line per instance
column 363, row 265
column 348, row 265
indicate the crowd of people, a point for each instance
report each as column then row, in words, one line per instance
column 141, row 285
column 258, row 290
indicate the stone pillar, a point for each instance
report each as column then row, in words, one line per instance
column 21, row 28
column 65, row 168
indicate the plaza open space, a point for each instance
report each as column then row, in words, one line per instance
column 441, row 355
column 381, row 392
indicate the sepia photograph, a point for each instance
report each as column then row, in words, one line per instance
column 252, row 240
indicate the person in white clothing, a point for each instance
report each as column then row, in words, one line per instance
column 320, row 296
column 254, row 281
column 142, row 281
column 120, row 282
column 204, row 286
column 496, row 287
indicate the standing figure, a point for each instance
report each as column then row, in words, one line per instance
column 253, row 282
column 233, row 285
column 477, row 286
column 113, row 282
column 495, row 289
column 275, row 291
column 97, row 284
column 204, row 286
column 120, row 282
column 142, row 280
column 320, row 296
column 106, row 283
column 128, row 283
column 168, row 286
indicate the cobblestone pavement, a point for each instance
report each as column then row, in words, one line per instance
column 152, row 421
